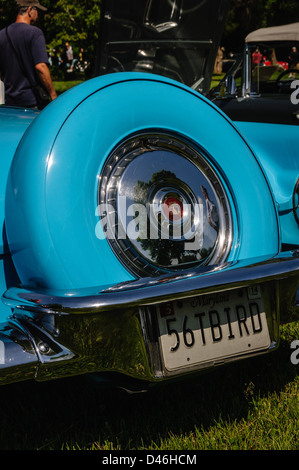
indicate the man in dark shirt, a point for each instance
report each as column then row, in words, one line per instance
column 29, row 43
column 293, row 58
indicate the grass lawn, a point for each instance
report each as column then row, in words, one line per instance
column 61, row 86
column 216, row 79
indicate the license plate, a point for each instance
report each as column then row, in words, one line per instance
column 212, row 328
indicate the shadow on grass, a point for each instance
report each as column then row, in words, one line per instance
column 75, row 413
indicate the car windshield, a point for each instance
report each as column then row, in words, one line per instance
column 174, row 38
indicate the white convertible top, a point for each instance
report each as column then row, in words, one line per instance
column 288, row 32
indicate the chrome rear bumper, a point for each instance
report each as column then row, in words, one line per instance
column 92, row 331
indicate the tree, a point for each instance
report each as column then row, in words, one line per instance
column 247, row 15
column 77, row 22
column 278, row 12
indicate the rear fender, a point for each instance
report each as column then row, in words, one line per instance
column 55, row 174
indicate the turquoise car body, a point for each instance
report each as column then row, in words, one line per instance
column 146, row 236
column 70, row 305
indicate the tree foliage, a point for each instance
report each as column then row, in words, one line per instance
column 248, row 15
column 78, row 21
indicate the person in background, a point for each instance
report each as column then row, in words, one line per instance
column 24, row 58
column 257, row 57
column 293, row 60
column 69, row 57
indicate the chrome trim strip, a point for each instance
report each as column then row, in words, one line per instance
column 246, row 89
column 150, row 291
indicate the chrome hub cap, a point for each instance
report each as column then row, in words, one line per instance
column 162, row 205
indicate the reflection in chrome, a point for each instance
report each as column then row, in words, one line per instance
column 162, row 16
column 296, row 201
column 165, row 208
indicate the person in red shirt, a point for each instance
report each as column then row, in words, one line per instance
column 257, row 57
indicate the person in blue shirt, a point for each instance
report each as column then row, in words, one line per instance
column 24, row 58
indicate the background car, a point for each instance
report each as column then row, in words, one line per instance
column 261, row 92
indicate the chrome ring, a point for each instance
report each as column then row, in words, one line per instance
column 163, row 206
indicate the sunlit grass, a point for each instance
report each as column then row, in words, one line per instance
column 62, row 86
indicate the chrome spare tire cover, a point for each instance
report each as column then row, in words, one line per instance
column 148, row 123
column 162, row 205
